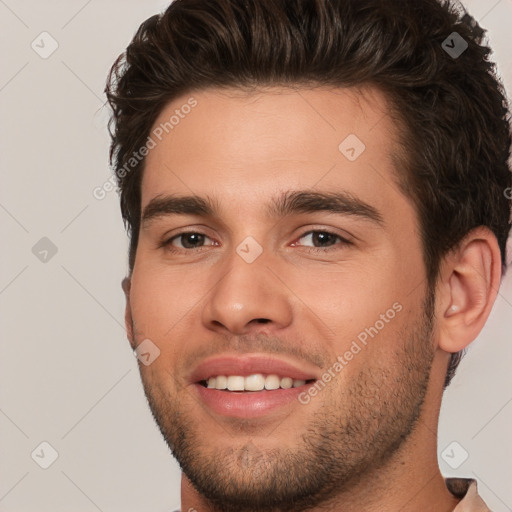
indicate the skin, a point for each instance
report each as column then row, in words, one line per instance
column 368, row 440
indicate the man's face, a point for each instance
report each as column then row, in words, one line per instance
column 272, row 280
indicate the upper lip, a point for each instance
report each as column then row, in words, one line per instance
column 249, row 364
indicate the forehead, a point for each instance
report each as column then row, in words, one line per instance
column 233, row 143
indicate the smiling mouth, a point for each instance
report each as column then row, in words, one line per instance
column 252, row 383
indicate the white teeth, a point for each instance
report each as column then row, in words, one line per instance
column 221, row 382
column 286, row 382
column 236, row 383
column 272, row 382
column 255, row 382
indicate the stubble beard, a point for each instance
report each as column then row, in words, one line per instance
column 358, row 429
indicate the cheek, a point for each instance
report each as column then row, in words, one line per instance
column 350, row 297
column 158, row 301
column 362, row 310
column 166, row 304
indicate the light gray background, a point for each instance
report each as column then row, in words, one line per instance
column 67, row 374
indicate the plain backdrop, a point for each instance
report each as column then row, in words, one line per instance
column 67, row 375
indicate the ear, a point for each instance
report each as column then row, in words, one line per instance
column 126, row 285
column 468, row 286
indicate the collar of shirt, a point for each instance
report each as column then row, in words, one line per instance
column 466, row 489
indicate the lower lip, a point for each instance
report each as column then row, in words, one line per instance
column 249, row 404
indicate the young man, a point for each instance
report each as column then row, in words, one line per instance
column 318, row 219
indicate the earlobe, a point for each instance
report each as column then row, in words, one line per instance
column 471, row 281
column 128, row 320
column 126, row 285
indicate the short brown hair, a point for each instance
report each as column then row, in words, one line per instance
column 453, row 110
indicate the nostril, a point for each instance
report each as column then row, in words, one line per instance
column 263, row 320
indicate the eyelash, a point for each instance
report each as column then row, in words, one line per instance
column 167, row 244
column 342, row 241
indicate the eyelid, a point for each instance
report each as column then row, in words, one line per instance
column 200, row 229
column 342, row 234
column 342, row 241
column 167, row 240
column 345, row 239
column 191, row 233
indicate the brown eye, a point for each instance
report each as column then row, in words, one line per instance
column 188, row 240
column 320, row 239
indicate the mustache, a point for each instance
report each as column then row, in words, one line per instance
column 251, row 343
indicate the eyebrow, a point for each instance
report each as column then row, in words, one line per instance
column 291, row 203
column 163, row 206
column 287, row 204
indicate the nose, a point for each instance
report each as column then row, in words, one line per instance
column 249, row 298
